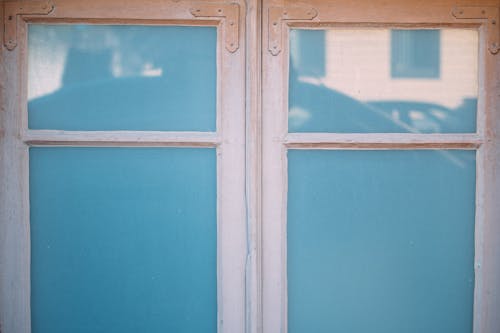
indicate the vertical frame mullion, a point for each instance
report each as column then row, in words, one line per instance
column 273, row 181
column 14, row 198
column 232, row 237
column 487, row 237
column 253, row 167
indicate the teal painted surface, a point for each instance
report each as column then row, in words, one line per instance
column 90, row 77
column 380, row 241
column 315, row 106
column 123, row 240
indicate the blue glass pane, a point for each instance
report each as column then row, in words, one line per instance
column 95, row 77
column 123, row 240
column 381, row 241
column 379, row 80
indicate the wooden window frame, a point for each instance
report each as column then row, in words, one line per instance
column 283, row 15
column 228, row 140
column 252, row 91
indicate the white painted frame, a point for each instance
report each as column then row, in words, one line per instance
column 228, row 140
column 276, row 140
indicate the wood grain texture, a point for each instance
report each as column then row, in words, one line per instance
column 382, row 141
column 380, row 13
column 487, row 265
column 253, row 168
column 252, row 165
column 14, row 206
column 121, row 138
column 229, row 141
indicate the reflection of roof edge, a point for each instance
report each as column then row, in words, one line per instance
column 131, row 82
column 88, row 84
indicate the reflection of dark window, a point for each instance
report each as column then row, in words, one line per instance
column 415, row 53
column 308, row 52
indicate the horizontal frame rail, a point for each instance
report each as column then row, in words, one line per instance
column 382, row 141
column 120, row 138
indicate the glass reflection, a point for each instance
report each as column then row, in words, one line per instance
column 98, row 77
column 380, row 80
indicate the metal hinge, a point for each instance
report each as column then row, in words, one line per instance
column 14, row 9
column 277, row 15
column 230, row 18
column 491, row 14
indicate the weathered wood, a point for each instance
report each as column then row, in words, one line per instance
column 120, row 138
column 232, row 238
column 487, row 237
column 253, row 168
column 276, row 140
column 229, row 140
column 14, row 205
column 382, row 141
column 252, row 165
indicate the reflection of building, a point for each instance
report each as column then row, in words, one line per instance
column 358, row 63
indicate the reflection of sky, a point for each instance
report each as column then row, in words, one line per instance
column 341, row 81
column 50, row 55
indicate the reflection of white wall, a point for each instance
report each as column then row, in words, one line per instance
column 358, row 64
column 46, row 62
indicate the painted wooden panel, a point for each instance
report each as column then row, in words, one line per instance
column 381, row 241
column 370, row 80
column 102, row 77
column 123, row 240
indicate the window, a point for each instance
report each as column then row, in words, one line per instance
column 361, row 168
column 249, row 166
column 131, row 138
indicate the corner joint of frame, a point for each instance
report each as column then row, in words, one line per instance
column 489, row 15
column 228, row 14
column 14, row 9
column 278, row 15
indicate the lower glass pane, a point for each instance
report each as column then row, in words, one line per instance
column 123, row 240
column 380, row 241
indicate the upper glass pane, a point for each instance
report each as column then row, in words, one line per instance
column 117, row 77
column 381, row 80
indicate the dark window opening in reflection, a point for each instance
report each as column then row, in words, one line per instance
column 341, row 80
column 415, row 53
